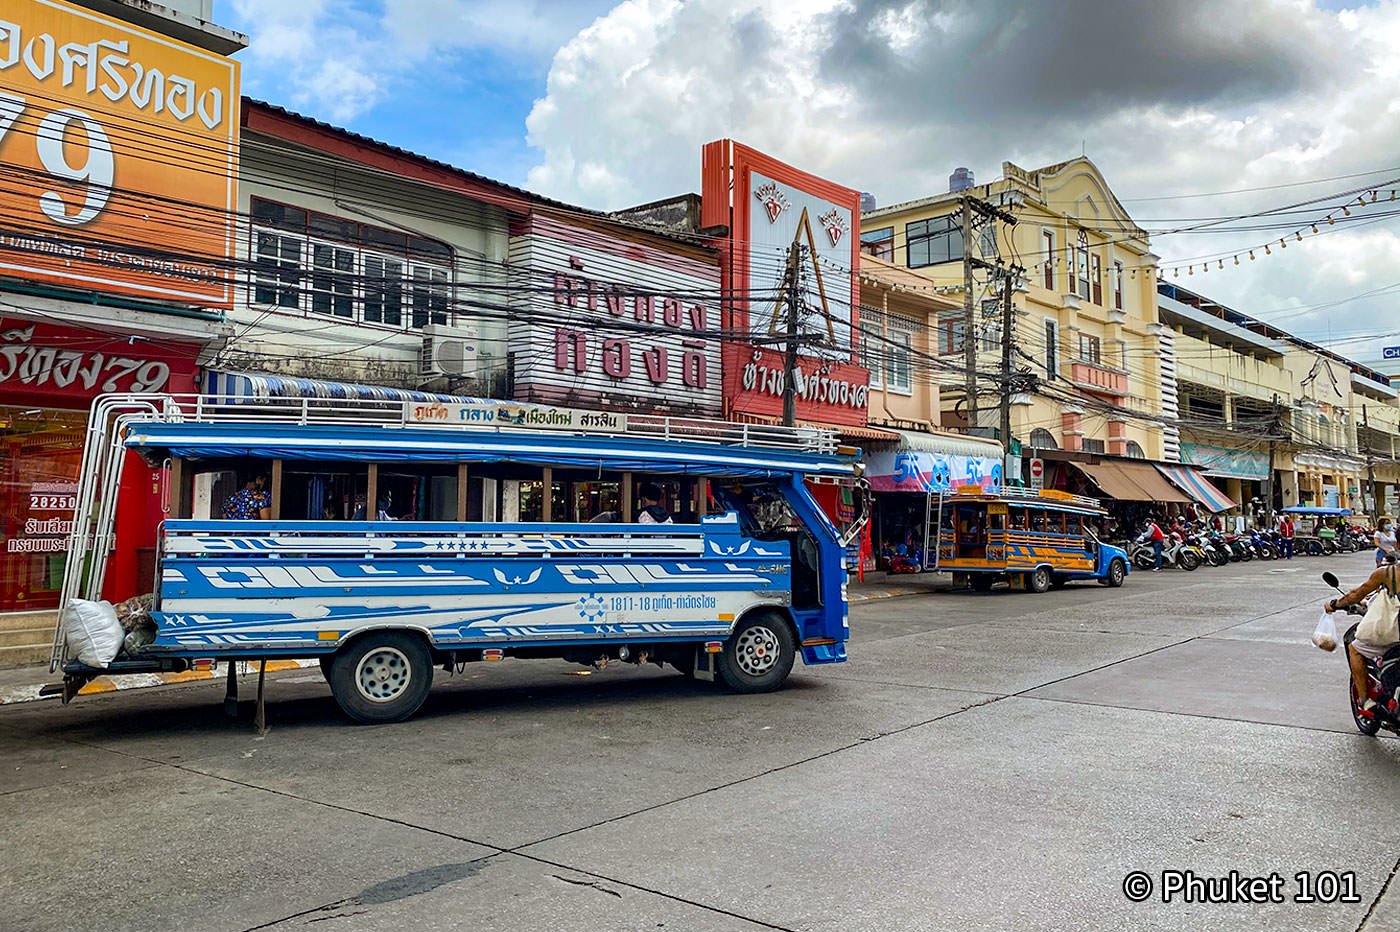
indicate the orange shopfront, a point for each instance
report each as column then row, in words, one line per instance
column 49, row 375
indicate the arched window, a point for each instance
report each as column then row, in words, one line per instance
column 1135, row 450
column 1042, row 439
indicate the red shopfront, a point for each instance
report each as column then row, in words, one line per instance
column 49, row 375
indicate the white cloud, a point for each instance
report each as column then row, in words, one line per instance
column 890, row 95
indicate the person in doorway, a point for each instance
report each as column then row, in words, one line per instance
column 1286, row 530
column 1359, row 651
column 649, row 510
column 1385, row 542
column 251, row 503
column 1153, row 533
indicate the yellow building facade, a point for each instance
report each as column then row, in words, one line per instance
column 1083, row 298
column 1250, row 394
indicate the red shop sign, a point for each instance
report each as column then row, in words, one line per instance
column 828, row 392
column 50, row 363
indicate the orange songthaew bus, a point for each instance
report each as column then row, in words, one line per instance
column 1033, row 540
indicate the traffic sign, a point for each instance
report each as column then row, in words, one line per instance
column 1037, row 468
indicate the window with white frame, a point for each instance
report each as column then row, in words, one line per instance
column 340, row 268
column 277, row 269
column 1047, row 250
column 887, row 350
column 1082, row 265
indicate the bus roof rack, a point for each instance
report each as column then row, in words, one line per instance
column 1013, row 495
column 492, row 416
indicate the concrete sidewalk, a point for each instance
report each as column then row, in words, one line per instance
column 27, row 683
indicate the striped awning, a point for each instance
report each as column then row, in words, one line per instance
column 1194, row 484
column 234, row 387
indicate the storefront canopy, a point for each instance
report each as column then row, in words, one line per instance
column 925, row 462
column 234, row 387
column 1198, row 487
column 1326, row 512
column 1131, row 482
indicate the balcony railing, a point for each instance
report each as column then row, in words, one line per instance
column 1099, row 378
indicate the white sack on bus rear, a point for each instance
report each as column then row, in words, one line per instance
column 92, row 631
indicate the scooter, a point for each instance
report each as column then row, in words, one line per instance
column 1382, row 679
column 1175, row 552
column 1262, row 548
column 1211, row 555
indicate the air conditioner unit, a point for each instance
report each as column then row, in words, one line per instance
column 449, row 351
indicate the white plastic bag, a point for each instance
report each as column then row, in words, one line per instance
column 1379, row 627
column 92, row 631
column 1325, row 634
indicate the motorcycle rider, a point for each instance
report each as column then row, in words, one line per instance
column 1359, row 651
column 1153, row 532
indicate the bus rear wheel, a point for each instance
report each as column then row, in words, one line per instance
column 381, row 677
column 759, row 655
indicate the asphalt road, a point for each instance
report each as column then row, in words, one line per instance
column 984, row 761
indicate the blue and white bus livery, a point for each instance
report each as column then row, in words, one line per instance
column 733, row 596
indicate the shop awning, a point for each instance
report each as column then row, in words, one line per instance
column 233, row 387
column 926, row 462
column 1198, row 487
column 1131, row 482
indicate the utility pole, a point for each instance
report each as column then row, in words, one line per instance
column 1275, row 426
column 790, row 278
column 969, row 318
column 1007, row 319
column 1373, row 507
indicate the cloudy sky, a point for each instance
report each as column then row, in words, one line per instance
column 1195, row 110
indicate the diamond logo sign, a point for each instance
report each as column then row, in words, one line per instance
column 772, row 200
column 836, row 226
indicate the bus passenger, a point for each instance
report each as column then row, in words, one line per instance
column 252, row 502
column 649, row 505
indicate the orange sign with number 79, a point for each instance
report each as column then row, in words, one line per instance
column 118, row 156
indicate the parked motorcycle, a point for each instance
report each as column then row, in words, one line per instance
column 1382, row 680
column 1262, row 548
column 1175, row 552
column 1210, row 554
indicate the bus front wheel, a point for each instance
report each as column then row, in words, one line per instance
column 381, row 677
column 759, row 655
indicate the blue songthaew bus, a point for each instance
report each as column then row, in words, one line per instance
column 387, row 538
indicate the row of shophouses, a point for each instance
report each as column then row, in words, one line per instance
column 248, row 251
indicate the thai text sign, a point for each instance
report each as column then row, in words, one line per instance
column 118, row 151
column 41, row 362
column 488, row 414
column 604, row 321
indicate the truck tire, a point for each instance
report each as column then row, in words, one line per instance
column 382, row 677
column 1038, row 581
column 759, row 655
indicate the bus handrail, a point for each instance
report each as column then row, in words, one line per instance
column 213, row 409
